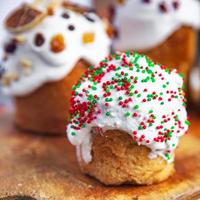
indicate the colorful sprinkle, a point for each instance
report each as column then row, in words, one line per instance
column 130, row 92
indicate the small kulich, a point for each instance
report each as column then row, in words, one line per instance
column 43, row 62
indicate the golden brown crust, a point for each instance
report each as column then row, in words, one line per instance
column 45, row 110
column 178, row 51
column 117, row 160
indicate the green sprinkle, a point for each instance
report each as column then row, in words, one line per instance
column 108, row 99
column 107, row 113
column 131, row 87
column 73, row 133
column 120, row 98
column 184, row 104
column 136, row 78
column 127, row 54
column 169, row 135
column 187, row 122
column 167, row 156
column 94, row 88
column 117, row 57
column 149, row 71
column 140, row 128
column 150, row 111
column 91, row 67
column 136, row 107
column 131, row 94
column 127, row 114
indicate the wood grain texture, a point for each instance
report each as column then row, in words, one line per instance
column 42, row 168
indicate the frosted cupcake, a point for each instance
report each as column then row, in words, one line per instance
column 127, row 116
column 164, row 30
column 47, row 48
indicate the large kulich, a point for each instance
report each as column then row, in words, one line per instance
column 127, row 116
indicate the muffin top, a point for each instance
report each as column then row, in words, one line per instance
column 144, row 24
column 131, row 93
column 44, row 44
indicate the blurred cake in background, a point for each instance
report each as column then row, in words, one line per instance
column 48, row 45
column 163, row 30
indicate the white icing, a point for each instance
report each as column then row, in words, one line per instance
column 84, row 3
column 143, row 26
column 49, row 66
column 117, row 119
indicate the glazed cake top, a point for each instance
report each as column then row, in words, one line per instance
column 144, row 24
column 43, row 45
column 131, row 93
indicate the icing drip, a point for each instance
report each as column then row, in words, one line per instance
column 49, row 51
column 146, row 24
column 130, row 93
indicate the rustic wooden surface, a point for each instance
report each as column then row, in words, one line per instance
column 39, row 167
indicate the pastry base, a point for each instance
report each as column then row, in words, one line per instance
column 117, row 160
column 46, row 110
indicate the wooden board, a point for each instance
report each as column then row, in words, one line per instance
column 41, row 168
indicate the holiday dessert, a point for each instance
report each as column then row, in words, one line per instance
column 163, row 30
column 47, row 48
column 127, row 115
